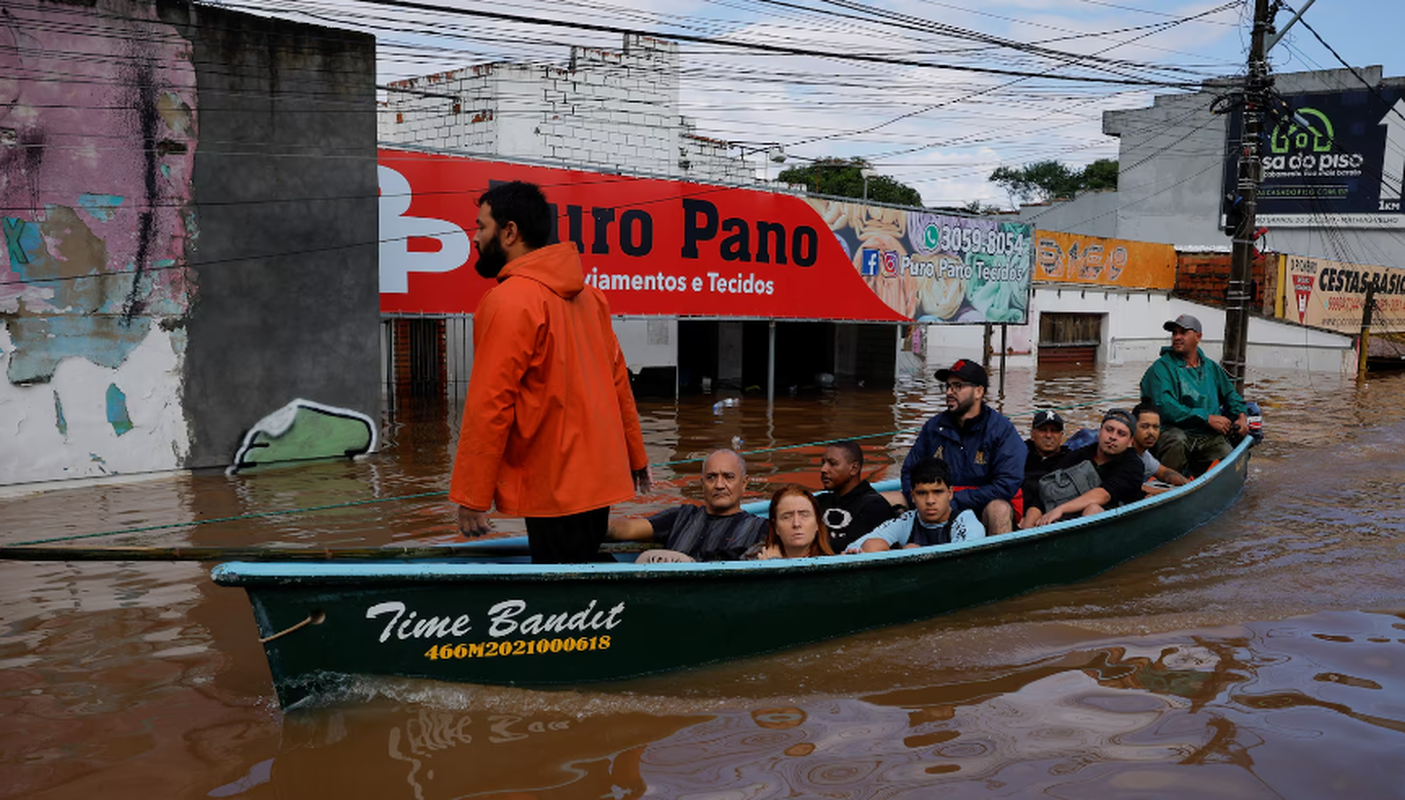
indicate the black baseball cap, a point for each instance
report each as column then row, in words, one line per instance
column 1123, row 416
column 1049, row 417
column 968, row 371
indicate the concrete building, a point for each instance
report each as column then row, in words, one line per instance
column 185, row 219
column 1170, row 190
column 1170, row 186
column 609, row 109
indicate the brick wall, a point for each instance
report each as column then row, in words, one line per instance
column 1204, row 278
column 418, row 351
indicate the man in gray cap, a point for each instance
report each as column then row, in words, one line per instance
column 1198, row 404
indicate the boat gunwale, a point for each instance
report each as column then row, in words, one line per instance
column 253, row 574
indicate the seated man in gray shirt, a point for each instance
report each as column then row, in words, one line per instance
column 1144, row 437
column 718, row 530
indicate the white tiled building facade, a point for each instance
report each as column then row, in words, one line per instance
column 614, row 109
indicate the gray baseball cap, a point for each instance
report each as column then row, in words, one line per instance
column 1184, row 321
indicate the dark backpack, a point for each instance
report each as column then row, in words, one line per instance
column 1062, row 485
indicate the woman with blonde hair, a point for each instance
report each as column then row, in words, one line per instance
column 796, row 530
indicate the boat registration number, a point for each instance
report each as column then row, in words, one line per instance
column 517, row 647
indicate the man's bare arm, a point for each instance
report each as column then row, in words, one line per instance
column 631, row 530
column 1097, row 496
column 1167, row 475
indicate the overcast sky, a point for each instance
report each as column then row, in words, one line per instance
column 940, row 130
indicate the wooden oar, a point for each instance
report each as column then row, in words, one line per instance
column 391, row 553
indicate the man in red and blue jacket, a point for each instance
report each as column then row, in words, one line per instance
column 981, row 447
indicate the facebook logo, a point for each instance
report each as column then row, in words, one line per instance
column 871, row 261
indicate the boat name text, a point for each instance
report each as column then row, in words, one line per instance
column 505, row 619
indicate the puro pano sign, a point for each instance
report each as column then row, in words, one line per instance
column 663, row 247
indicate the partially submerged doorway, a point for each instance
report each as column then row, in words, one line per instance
column 1069, row 338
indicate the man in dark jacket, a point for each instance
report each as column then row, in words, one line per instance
column 1119, row 471
column 851, row 507
column 1190, row 390
column 1045, row 449
column 982, row 448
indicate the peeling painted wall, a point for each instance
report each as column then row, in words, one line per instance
column 152, row 147
column 98, row 137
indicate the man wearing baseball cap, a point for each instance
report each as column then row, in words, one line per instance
column 1198, row 404
column 1045, row 448
column 1119, row 470
column 979, row 445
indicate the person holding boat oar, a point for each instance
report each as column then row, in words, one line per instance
column 982, row 448
column 550, row 431
column 1191, row 391
column 718, row 530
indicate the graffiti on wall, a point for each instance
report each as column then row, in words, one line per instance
column 95, row 177
column 305, row 430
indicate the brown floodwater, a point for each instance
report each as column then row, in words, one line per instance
column 1262, row 655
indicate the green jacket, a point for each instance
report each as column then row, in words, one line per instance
column 1187, row 397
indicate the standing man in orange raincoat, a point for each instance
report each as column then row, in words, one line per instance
column 550, row 432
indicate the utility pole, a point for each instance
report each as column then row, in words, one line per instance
column 1363, row 342
column 1241, row 267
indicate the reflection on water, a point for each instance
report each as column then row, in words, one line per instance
column 1240, row 661
column 1309, row 707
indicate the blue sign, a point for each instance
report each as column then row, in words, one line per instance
column 871, row 262
column 1329, row 159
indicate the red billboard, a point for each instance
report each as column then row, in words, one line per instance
column 663, row 247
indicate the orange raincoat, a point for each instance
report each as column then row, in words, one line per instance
column 549, row 425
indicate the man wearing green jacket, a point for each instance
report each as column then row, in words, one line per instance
column 1191, row 391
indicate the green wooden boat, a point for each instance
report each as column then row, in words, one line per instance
column 506, row 623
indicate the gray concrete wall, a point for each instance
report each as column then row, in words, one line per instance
column 1089, row 214
column 1171, row 157
column 285, row 259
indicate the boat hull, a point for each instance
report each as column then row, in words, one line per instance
column 538, row 625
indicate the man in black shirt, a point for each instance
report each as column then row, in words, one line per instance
column 1046, row 449
column 851, row 507
column 1118, row 466
column 718, row 530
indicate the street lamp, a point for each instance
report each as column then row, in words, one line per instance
column 867, row 173
column 774, row 153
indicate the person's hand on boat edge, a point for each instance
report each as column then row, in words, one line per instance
column 473, row 524
column 643, row 480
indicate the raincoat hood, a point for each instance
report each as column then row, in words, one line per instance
column 556, row 266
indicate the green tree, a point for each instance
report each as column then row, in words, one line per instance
column 1051, row 180
column 1101, row 174
column 843, row 177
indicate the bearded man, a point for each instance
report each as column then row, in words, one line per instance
column 550, row 431
column 980, row 446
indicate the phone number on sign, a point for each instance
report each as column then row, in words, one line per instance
column 518, row 647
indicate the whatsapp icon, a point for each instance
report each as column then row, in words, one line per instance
column 931, row 236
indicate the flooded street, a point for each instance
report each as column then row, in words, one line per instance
column 1260, row 656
